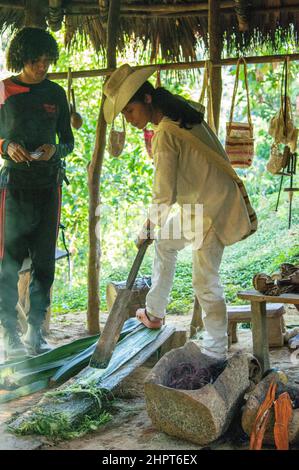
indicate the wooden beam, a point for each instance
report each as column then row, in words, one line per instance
column 215, row 50
column 55, row 15
column 155, row 8
column 94, row 175
column 158, row 11
column 15, row 4
column 35, row 13
column 199, row 13
column 177, row 66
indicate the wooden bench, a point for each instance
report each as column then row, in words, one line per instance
column 23, row 304
column 259, row 320
column 242, row 314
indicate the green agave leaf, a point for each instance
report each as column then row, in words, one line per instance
column 23, row 391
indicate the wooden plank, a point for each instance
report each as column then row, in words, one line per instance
column 254, row 295
column 240, row 313
column 117, row 316
column 76, row 407
column 260, row 334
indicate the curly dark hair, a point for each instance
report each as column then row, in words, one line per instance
column 28, row 45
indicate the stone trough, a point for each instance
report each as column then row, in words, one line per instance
column 200, row 415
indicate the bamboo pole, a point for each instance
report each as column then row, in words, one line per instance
column 94, row 174
column 215, row 50
column 178, row 66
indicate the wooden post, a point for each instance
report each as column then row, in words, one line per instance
column 196, row 322
column 215, row 46
column 35, row 13
column 260, row 334
column 94, row 174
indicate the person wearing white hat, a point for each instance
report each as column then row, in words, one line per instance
column 192, row 170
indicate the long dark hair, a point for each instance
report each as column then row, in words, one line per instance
column 28, row 45
column 173, row 106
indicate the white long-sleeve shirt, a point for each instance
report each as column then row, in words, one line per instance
column 186, row 175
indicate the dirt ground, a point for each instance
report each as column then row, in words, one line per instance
column 130, row 427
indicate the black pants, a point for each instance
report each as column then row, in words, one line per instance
column 29, row 220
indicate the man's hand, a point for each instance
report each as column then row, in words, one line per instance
column 146, row 234
column 48, row 152
column 18, row 154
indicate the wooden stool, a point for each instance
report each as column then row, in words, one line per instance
column 259, row 321
column 242, row 314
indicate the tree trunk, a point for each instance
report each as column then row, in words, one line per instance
column 94, row 174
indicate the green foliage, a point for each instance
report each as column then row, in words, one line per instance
column 56, row 425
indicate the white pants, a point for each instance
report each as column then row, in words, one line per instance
column 206, row 283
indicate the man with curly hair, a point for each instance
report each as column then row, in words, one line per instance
column 33, row 113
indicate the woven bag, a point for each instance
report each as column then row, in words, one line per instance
column 282, row 127
column 239, row 143
column 116, row 141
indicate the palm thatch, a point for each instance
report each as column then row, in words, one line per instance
column 169, row 28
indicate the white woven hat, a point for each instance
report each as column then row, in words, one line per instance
column 121, row 86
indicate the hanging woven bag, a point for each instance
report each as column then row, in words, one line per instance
column 239, row 143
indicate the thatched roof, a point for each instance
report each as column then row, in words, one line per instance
column 173, row 26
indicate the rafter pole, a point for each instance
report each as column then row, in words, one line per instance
column 94, row 175
column 35, row 13
column 269, row 59
column 215, row 50
column 55, row 14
